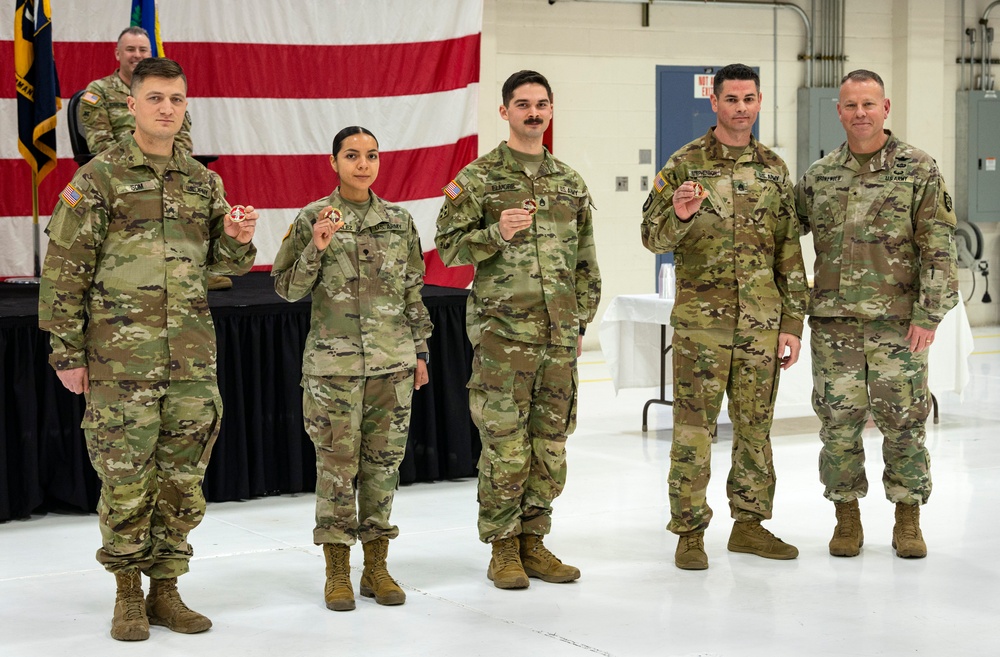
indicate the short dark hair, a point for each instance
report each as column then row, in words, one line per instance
column 864, row 75
column 156, row 67
column 521, row 78
column 734, row 72
column 133, row 29
column 338, row 141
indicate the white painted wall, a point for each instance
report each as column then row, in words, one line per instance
column 601, row 63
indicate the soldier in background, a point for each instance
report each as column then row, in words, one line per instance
column 123, row 297
column 103, row 107
column 723, row 204
column 105, row 116
column 366, row 352
column 885, row 276
column 523, row 219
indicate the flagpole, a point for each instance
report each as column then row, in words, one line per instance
column 34, row 223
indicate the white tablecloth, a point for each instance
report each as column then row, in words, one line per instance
column 630, row 339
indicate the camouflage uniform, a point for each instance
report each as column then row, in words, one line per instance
column 123, row 294
column 368, row 325
column 531, row 299
column 885, row 258
column 740, row 281
column 106, row 120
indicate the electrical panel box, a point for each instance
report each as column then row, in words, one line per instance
column 819, row 128
column 977, row 152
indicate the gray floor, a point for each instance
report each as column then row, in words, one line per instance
column 257, row 575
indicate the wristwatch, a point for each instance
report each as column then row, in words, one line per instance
column 424, row 356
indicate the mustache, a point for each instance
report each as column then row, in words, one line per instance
column 532, row 121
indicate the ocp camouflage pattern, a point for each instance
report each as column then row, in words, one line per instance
column 884, row 235
column 738, row 259
column 123, row 283
column 543, row 286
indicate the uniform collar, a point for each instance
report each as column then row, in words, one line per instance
column 136, row 158
column 884, row 159
column 548, row 165
column 718, row 151
column 377, row 213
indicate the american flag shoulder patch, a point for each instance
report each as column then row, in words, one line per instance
column 452, row 190
column 659, row 182
column 90, row 98
column 71, row 195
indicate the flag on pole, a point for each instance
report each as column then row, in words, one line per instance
column 144, row 14
column 37, row 86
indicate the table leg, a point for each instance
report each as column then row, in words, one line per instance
column 664, row 351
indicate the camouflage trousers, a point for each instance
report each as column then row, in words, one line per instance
column 150, row 442
column 706, row 364
column 359, row 426
column 523, row 399
column 861, row 366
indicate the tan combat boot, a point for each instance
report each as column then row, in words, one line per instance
column 375, row 580
column 338, row 592
column 129, row 622
column 538, row 562
column 907, row 538
column 750, row 537
column 848, row 537
column 506, row 571
column 216, row 282
column 165, row 607
column 690, row 552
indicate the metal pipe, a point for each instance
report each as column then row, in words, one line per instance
column 744, row 4
column 961, row 70
column 842, row 48
column 982, row 49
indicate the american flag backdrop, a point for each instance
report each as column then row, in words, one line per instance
column 270, row 83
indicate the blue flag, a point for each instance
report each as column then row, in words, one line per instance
column 145, row 15
column 37, row 85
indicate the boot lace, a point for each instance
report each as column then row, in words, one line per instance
column 846, row 520
column 907, row 523
column 539, row 551
column 691, row 542
column 135, row 608
column 507, row 554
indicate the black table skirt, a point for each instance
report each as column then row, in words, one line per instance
column 262, row 447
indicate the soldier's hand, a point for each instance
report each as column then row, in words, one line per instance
column 75, row 380
column 790, row 344
column 420, row 378
column 242, row 231
column 687, row 199
column 325, row 227
column 513, row 221
column 919, row 338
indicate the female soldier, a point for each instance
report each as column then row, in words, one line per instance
column 366, row 352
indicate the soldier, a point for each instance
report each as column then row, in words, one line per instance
column 366, row 352
column 723, row 204
column 523, row 219
column 104, row 111
column 106, row 118
column 123, row 296
column 885, row 276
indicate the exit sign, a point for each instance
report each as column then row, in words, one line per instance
column 703, row 85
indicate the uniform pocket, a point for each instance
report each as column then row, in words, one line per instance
column 111, row 454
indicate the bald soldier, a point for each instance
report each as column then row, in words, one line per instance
column 723, row 204
column 523, row 218
column 123, row 297
column 885, row 275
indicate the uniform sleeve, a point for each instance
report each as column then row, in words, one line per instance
column 461, row 236
column 789, row 269
column 183, row 138
column 68, row 272
column 803, row 204
column 96, row 121
column 226, row 255
column 661, row 229
column 296, row 267
column 934, row 234
column 588, row 275
column 416, row 313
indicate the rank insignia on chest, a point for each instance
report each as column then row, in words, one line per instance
column 740, row 187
